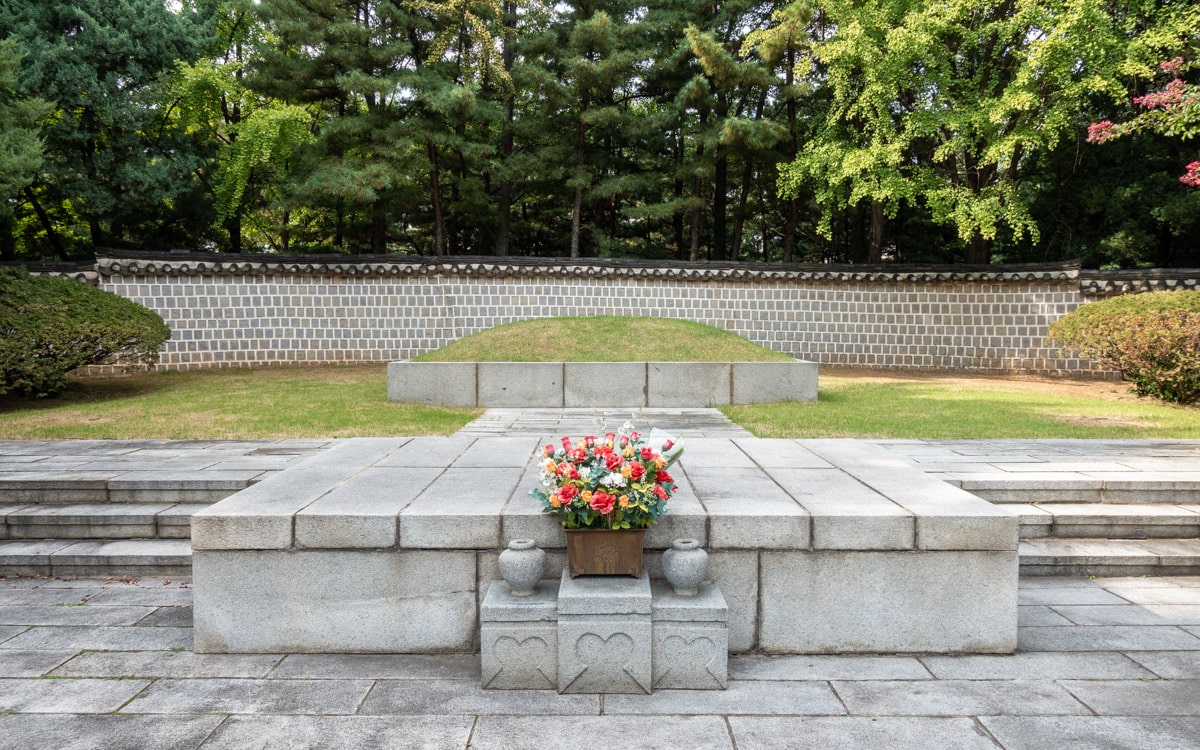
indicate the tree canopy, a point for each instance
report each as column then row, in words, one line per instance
column 747, row 130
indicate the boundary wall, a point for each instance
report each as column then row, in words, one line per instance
column 250, row 310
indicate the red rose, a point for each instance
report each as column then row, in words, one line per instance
column 566, row 443
column 636, row 471
column 612, row 462
column 578, row 455
column 663, row 476
column 590, row 441
column 573, row 473
column 660, row 493
column 667, row 445
column 568, row 493
column 647, row 454
column 602, row 502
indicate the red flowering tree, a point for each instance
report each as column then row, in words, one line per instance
column 1172, row 110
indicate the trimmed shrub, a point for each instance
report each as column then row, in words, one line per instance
column 51, row 326
column 1153, row 339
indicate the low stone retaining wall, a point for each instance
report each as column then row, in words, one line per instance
column 254, row 310
column 594, row 384
column 389, row 545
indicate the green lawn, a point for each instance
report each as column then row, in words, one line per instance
column 603, row 339
column 849, row 407
column 277, row 402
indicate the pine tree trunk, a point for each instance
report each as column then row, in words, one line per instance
column 878, row 223
column 435, row 198
column 47, row 225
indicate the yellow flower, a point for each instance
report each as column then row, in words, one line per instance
column 624, row 501
column 555, row 502
column 550, row 466
column 625, row 471
column 586, row 496
column 628, row 451
column 660, row 462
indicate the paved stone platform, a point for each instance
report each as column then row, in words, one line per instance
column 1112, row 663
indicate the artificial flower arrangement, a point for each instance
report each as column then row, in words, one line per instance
column 614, row 482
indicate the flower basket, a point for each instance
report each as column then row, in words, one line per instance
column 605, row 552
column 611, row 489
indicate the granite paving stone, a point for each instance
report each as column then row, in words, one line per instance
column 52, row 638
column 8, row 632
column 1161, row 595
column 1166, row 614
column 1170, row 664
column 378, row 667
column 179, row 595
column 181, row 664
column 452, row 697
column 31, row 663
column 957, row 698
column 1036, row 666
column 1067, row 596
column 42, row 696
column 342, row 733
column 247, row 696
column 601, row 733
column 1093, row 732
column 48, row 596
column 817, row 667
column 1138, row 697
column 1037, row 615
column 83, row 732
column 1107, row 638
column 79, row 614
column 168, row 617
column 763, row 697
column 873, row 733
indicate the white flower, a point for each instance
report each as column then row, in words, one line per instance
column 613, row 480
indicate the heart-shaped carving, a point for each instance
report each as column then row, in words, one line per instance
column 615, row 649
column 696, row 653
column 524, row 654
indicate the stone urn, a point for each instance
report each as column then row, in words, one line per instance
column 685, row 565
column 522, row 565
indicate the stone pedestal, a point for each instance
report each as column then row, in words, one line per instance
column 690, row 638
column 518, row 640
column 604, row 634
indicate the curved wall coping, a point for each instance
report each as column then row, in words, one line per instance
column 557, row 385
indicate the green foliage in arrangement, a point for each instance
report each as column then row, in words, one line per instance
column 1152, row 339
column 51, row 326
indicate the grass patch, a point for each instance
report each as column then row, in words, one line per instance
column 603, row 339
column 948, row 409
column 277, row 402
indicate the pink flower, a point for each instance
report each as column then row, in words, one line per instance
column 612, row 462
column 636, row 471
column 1173, row 67
column 1172, row 93
column 602, row 502
column 567, row 493
column 1191, row 177
column 1099, row 132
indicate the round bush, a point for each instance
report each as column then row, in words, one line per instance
column 51, row 326
column 1153, row 339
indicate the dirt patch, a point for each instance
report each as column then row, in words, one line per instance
column 1107, row 422
column 1108, row 390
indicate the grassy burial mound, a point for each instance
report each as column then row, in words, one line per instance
column 603, row 339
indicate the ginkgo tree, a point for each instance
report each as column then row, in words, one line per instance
column 943, row 101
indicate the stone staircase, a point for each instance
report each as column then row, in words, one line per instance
column 89, row 508
column 1137, row 526
column 121, row 508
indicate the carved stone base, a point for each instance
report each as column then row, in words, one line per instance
column 604, row 635
column 519, row 639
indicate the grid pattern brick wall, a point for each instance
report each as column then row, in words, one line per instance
column 253, row 313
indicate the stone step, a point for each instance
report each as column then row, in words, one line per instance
column 98, row 520
column 73, row 558
column 1122, row 488
column 1106, row 520
column 117, row 486
column 1110, row 557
